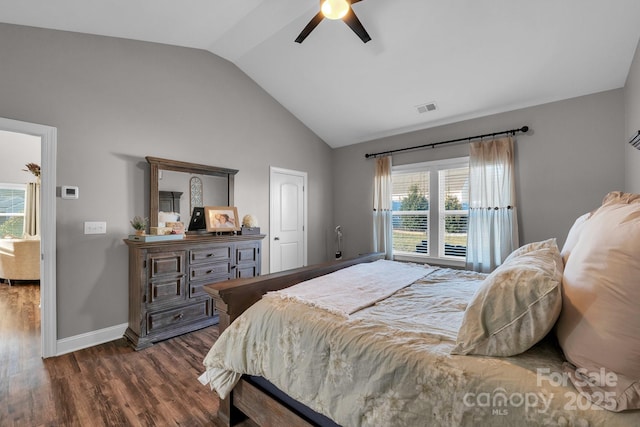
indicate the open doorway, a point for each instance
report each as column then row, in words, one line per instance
column 20, row 245
column 46, row 135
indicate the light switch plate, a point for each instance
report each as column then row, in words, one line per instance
column 95, row 227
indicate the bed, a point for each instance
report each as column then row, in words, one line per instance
column 428, row 352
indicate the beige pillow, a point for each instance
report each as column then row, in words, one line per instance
column 515, row 306
column 599, row 328
column 572, row 236
column 529, row 247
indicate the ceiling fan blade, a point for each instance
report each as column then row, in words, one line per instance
column 354, row 23
column 310, row 26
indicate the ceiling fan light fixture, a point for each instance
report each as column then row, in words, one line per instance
column 335, row 9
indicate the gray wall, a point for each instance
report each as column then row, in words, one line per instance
column 115, row 101
column 632, row 122
column 572, row 156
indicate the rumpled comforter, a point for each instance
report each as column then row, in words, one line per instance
column 389, row 364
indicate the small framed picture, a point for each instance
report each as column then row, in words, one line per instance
column 221, row 218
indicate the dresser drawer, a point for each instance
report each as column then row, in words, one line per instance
column 246, row 271
column 196, row 289
column 213, row 272
column 210, row 254
column 165, row 264
column 167, row 290
column 247, row 254
column 173, row 318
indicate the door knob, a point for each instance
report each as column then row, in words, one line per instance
column 276, row 238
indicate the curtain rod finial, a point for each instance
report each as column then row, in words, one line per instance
column 524, row 129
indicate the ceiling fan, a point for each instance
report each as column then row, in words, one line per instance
column 336, row 9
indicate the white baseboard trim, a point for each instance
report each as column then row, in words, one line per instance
column 89, row 339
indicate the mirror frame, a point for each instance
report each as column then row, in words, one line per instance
column 157, row 164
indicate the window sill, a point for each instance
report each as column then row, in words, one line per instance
column 445, row 262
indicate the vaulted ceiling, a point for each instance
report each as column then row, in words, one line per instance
column 470, row 58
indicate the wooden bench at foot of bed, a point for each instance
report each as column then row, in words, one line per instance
column 231, row 299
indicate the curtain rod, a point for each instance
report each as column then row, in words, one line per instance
column 434, row 144
column 635, row 140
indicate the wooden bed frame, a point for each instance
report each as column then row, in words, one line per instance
column 231, row 299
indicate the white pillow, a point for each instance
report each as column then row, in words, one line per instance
column 164, row 217
column 515, row 306
column 599, row 328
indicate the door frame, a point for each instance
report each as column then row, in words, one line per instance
column 272, row 170
column 48, row 150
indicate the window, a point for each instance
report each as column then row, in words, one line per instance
column 430, row 203
column 12, row 197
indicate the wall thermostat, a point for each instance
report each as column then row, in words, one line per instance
column 69, row 192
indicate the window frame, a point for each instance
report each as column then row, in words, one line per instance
column 433, row 167
column 14, row 186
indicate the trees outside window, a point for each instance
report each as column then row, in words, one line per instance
column 430, row 209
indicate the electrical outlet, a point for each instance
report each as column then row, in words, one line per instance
column 95, row 227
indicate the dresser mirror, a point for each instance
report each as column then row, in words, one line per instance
column 171, row 189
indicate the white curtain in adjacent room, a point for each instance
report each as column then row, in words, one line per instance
column 382, row 212
column 32, row 210
column 493, row 225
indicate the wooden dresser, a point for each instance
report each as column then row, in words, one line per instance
column 166, row 279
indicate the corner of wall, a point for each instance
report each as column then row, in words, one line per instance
column 632, row 124
column 89, row 339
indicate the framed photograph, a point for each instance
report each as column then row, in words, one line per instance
column 221, row 218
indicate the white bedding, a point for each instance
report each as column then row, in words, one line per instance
column 354, row 288
column 390, row 364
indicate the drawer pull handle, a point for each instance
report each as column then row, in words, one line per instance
column 178, row 316
column 209, row 272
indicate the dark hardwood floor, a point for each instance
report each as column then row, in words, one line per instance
column 105, row 385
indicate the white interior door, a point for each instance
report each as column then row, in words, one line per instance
column 287, row 231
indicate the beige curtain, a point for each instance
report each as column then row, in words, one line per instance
column 493, row 225
column 382, row 213
column 32, row 210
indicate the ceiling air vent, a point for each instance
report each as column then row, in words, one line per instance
column 426, row 107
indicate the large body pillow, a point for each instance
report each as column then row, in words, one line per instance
column 573, row 236
column 599, row 327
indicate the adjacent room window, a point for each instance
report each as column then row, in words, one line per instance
column 12, row 198
column 430, row 204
